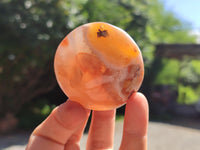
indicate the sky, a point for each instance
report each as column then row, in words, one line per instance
column 188, row 10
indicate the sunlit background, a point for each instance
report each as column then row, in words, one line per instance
column 167, row 32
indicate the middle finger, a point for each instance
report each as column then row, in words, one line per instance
column 101, row 131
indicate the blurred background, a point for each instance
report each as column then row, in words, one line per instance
column 167, row 32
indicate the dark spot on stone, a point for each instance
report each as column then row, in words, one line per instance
column 101, row 33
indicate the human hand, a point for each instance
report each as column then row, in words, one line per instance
column 64, row 127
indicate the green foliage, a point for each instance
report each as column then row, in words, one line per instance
column 187, row 95
column 107, row 12
column 164, row 27
column 184, row 75
column 34, row 113
column 189, row 72
column 196, row 66
column 189, row 79
column 31, row 31
column 168, row 75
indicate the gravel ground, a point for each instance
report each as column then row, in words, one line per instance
column 161, row 136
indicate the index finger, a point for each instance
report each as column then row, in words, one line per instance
column 64, row 122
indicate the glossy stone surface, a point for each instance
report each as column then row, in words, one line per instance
column 99, row 66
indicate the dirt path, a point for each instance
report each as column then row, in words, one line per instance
column 160, row 137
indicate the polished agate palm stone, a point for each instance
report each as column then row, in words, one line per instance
column 99, row 66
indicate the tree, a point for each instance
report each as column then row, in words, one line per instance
column 30, row 33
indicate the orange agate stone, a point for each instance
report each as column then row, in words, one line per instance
column 99, row 66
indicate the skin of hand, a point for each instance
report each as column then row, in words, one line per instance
column 63, row 128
